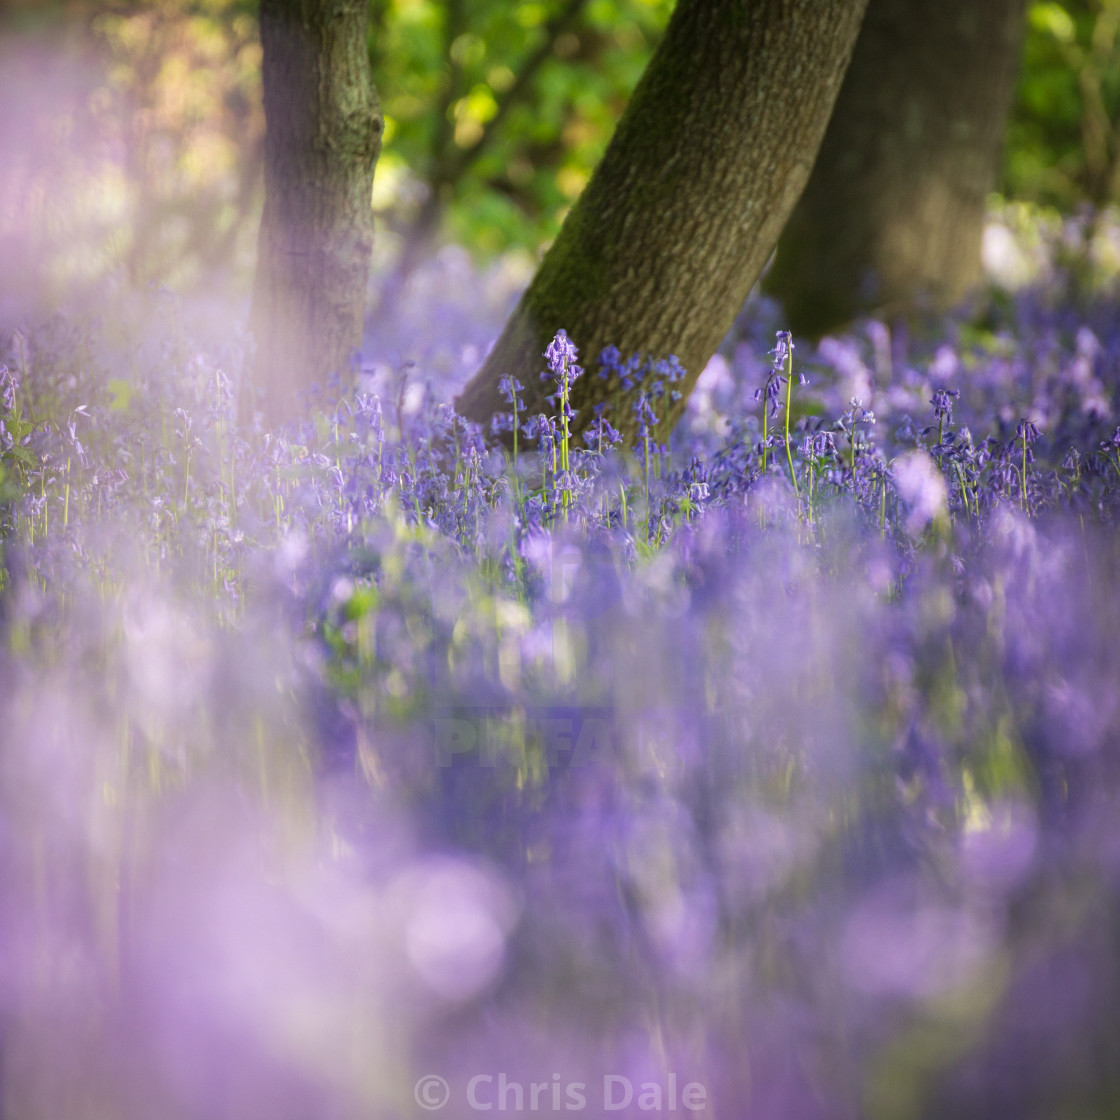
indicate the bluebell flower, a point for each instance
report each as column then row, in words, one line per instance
column 8, row 388
column 609, row 362
column 783, row 347
column 511, row 388
column 942, row 401
column 561, row 354
column 600, row 432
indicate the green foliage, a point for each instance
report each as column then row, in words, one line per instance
column 1063, row 144
column 453, row 75
column 18, row 460
column 147, row 158
column 137, row 147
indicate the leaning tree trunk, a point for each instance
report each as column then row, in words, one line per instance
column 711, row 155
column 322, row 141
column 892, row 218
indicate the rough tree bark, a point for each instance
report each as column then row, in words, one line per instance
column 712, row 153
column 893, row 214
column 323, row 138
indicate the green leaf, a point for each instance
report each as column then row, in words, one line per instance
column 1055, row 20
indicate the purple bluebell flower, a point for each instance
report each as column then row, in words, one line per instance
column 8, row 388
column 1027, row 432
column 511, row 388
column 561, row 354
column 942, row 401
column 600, row 433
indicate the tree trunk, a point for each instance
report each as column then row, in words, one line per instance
column 713, row 151
column 892, row 218
column 323, row 137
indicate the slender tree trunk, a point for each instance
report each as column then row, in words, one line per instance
column 704, row 168
column 322, row 141
column 893, row 214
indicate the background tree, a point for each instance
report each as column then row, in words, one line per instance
column 323, row 136
column 452, row 151
column 137, row 150
column 1063, row 145
column 893, row 214
column 711, row 155
column 496, row 115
